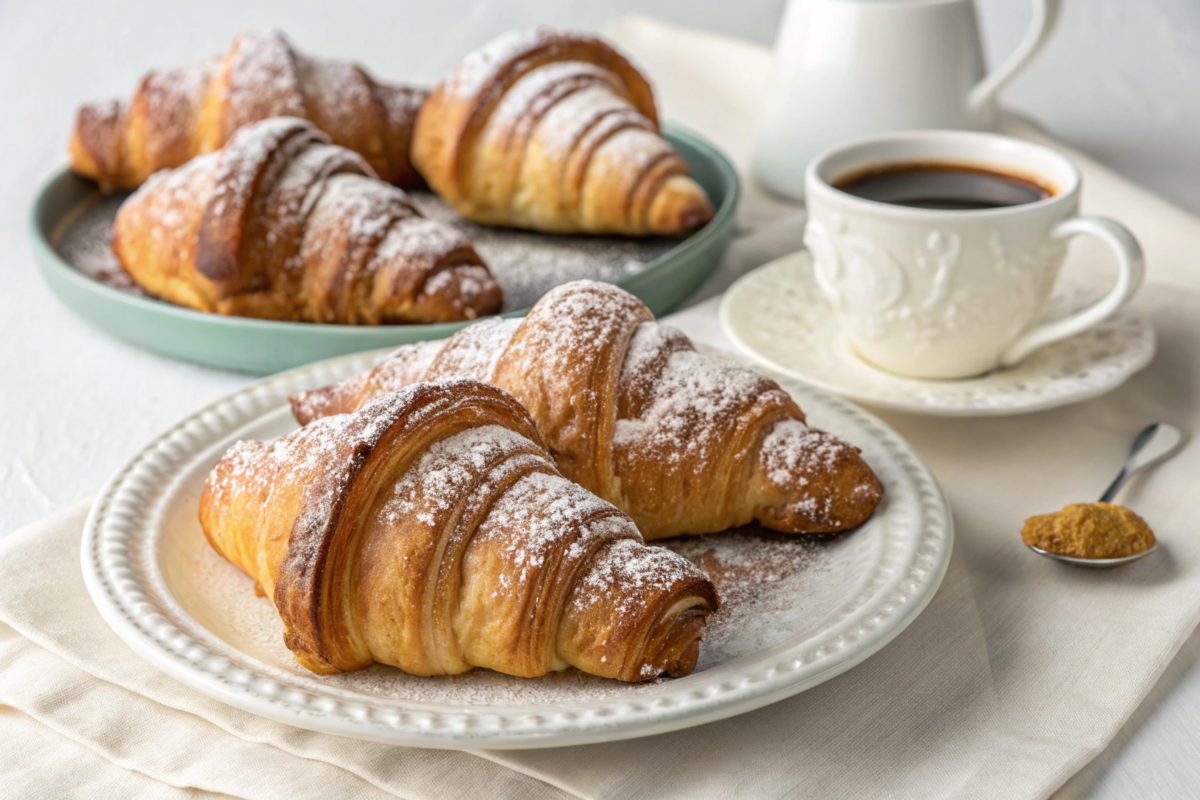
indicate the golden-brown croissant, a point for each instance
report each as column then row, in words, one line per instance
column 281, row 224
column 431, row 531
column 682, row 441
column 180, row 113
column 556, row 132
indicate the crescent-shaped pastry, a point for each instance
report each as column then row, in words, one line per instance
column 281, row 224
column 682, row 441
column 557, row 132
column 430, row 530
column 180, row 113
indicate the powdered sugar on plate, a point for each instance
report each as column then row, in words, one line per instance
column 763, row 579
column 87, row 245
column 527, row 264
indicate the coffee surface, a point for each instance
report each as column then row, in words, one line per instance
column 954, row 187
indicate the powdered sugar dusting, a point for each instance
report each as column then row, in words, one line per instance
column 693, row 399
column 263, row 81
column 478, row 68
column 370, row 205
column 405, row 366
column 568, row 326
column 420, row 236
column 341, row 90
column 172, row 96
column 634, row 148
column 560, row 120
column 323, row 447
column 175, row 188
column 528, row 264
column 376, row 222
column 544, row 508
column 564, row 125
column 446, row 469
column 531, row 86
column 236, row 166
column 792, row 452
column 761, row 579
column 475, row 350
column 87, row 246
column 639, row 572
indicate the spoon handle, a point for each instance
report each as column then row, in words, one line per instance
column 1155, row 443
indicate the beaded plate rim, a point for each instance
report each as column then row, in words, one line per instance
column 138, row 607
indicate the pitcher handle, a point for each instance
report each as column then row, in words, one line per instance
column 983, row 94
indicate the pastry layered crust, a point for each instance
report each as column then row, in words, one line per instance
column 282, row 224
column 556, row 132
column 430, row 530
column 682, row 441
column 181, row 113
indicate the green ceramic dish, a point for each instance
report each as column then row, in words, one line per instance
column 262, row 346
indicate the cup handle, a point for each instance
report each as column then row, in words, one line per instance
column 983, row 94
column 1129, row 280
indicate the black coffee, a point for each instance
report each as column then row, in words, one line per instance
column 943, row 186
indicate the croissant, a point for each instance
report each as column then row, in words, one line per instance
column 281, row 224
column 682, row 441
column 556, row 132
column 180, row 113
column 431, row 531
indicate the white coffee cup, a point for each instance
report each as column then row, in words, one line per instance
column 933, row 293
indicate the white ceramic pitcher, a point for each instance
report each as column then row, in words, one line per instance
column 849, row 68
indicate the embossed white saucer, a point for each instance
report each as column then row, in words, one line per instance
column 193, row 615
column 777, row 316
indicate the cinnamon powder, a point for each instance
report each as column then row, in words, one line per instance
column 1089, row 530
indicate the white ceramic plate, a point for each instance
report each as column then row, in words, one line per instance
column 815, row 609
column 776, row 315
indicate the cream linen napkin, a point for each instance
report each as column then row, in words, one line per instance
column 1017, row 674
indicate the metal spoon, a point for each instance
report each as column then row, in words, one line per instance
column 1155, row 444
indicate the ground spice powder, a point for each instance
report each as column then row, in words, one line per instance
column 1089, row 530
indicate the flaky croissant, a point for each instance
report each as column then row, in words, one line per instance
column 431, row 531
column 180, row 113
column 682, row 441
column 281, row 224
column 556, row 132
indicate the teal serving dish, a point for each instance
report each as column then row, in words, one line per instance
column 263, row 346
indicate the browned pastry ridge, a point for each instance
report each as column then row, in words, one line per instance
column 180, row 113
column 430, row 530
column 682, row 441
column 556, row 132
column 280, row 224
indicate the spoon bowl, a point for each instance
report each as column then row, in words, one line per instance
column 1095, row 563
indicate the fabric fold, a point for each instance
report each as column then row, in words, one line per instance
column 79, row 772
column 64, row 666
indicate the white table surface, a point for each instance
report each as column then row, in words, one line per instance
column 1119, row 80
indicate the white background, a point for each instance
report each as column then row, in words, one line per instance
column 1120, row 80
